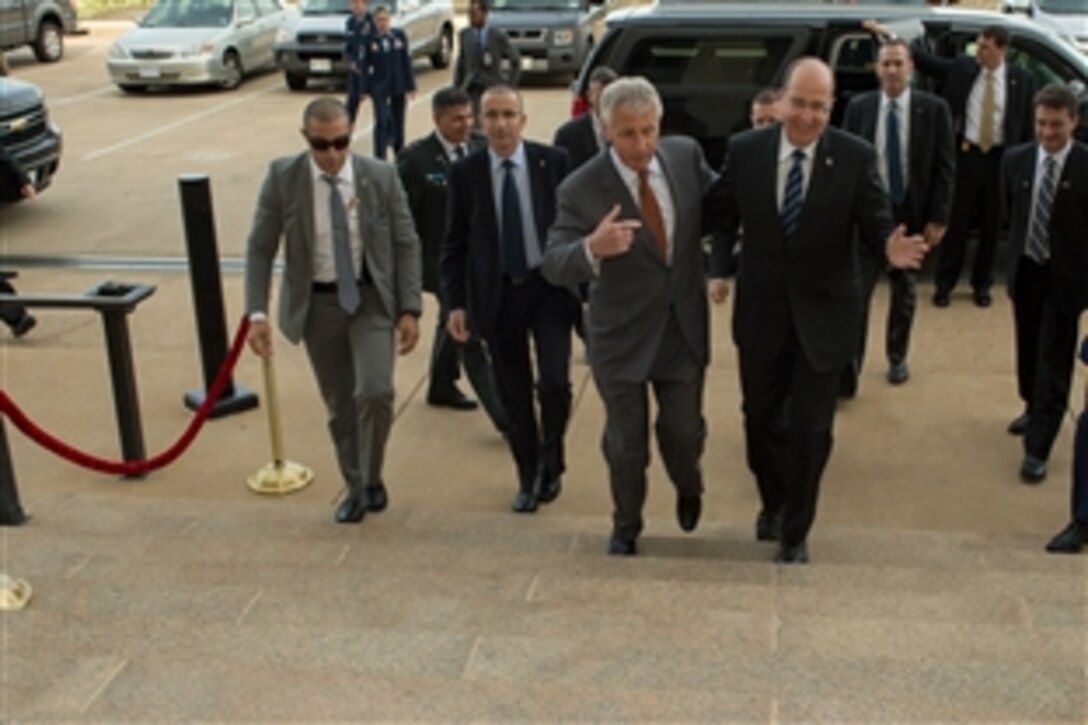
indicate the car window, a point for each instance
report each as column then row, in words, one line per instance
column 751, row 61
column 267, row 7
column 1045, row 65
column 246, row 9
column 189, row 14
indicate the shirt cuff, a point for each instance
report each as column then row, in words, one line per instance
column 258, row 317
column 594, row 263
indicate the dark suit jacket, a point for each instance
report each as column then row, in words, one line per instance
column 356, row 31
column 388, row 73
column 578, row 138
column 472, row 253
column 813, row 281
column 1068, row 220
column 932, row 153
column 958, row 75
column 473, row 71
column 423, row 167
column 634, row 294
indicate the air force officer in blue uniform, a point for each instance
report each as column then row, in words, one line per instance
column 387, row 79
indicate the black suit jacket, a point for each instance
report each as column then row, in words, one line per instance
column 931, row 153
column 1068, row 220
column 472, row 255
column 958, row 75
column 811, row 282
column 578, row 138
column 423, row 167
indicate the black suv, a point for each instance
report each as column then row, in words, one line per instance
column 26, row 132
column 708, row 60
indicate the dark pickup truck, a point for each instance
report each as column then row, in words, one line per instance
column 25, row 131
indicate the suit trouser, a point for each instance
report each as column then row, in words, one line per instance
column 677, row 381
column 355, row 94
column 1079, row 503
column 977, row 197
column 11, row 313
column 447, row 357
column 788, row 453
column 388, row 124
column 1046, row 345
column 900, row 311
column 352, row 359
column 534, row 309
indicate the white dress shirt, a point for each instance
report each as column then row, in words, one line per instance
column 324, row 256
column 521, row 178
column 450, row 148
column 785, row 162
column 903, row 105
column 974, row 107
column 658, row 184
column 1040, row 171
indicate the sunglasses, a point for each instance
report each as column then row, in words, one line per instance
column 324, row 144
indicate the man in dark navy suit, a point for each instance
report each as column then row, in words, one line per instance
column 1045, row 193
column 807, row 195
column 583, row 137
column 911, row 131
column 424, row 168
column 1072, row 538
column 991, row 109
column 388, row 79
column 502, row 200
column 357, row 28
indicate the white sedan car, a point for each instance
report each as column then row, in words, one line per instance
column 196, row 42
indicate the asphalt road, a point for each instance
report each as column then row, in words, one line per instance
column 116, row 192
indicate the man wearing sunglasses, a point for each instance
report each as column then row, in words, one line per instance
column 350, row 290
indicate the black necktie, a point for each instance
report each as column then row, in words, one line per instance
column 347, row 289
column 792, row 199
column 513, row 231
column 892, row 155
column 459, row 152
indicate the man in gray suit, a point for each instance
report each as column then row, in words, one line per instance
column 629, row 223
column 351, row 287
column 482, row 51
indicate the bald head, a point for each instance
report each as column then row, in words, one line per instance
column 807, row 100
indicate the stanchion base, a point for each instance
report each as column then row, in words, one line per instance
column 240, row 400
column 14, row 593
column 280, row 478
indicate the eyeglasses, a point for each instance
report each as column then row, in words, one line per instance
column 324, row 144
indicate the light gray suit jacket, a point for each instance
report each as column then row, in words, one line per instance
column 631, row 299
column 285, row 210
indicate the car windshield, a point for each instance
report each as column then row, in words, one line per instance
column 1064, row 7
column 535, row 4
column 340, row 7
column 189, row 14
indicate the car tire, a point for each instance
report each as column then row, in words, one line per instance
column 49, row 42
column 232, row 71
column 131, row 87
column 295, row 81
column 441, row 57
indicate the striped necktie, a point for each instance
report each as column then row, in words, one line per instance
column 794, row 196
column 347, row 287
column 1038, row 244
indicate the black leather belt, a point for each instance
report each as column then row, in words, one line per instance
column 967, row 147
column 326, row 288
column 519, row 281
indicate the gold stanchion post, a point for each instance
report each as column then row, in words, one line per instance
column 280, row 476
column 14, row 593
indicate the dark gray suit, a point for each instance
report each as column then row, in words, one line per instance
column 352, row 356
column 476, row 71
column 647, row 322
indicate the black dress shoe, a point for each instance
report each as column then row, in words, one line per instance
column 548, row 487
column 1019, row 424
column 768, row 526
column 456, row 400
column 898, row 373
column 848, row 385
column 1033, row 470
column 375, row 497
column 982, row 298
column 25, row 324
column 792, row 554
column 688, row 509
column 524, row 503
column 622, row 547
column 1070, row 540
column 351, row 511
column 941, row 299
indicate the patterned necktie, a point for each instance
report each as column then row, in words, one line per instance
column 459, row 152
column 794, row 196
column 1038, row 244
column 651, row 213
column 347, row 288
column 892, row 154
column 986, row 118
column 513, row 231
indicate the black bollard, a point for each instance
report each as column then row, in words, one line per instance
column 202, row 248
column 11, row 511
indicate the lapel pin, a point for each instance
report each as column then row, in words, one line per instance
column 829, row 162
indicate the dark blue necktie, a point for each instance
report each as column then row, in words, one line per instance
column 513, row 231
column 480, row 46
column 792, row 199
column 892, row 156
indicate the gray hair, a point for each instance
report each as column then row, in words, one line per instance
column 633, row 92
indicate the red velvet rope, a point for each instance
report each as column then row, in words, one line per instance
column 131, row 468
